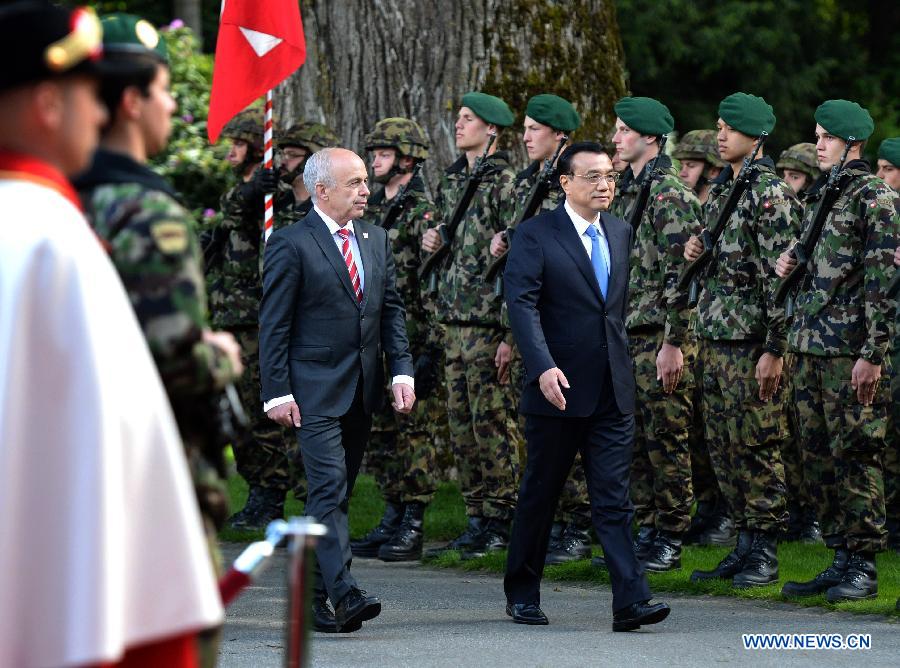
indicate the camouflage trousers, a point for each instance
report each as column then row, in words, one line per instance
column 843, row 445
column 401, row 453
column 574, row 506
column 262, row 453
column 661, row 488
column 799, row 502
column 892, row 454
column 744, row 435
column 483, row 428
column 703, row 477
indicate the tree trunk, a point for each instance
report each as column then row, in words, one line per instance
column 191, row 12
column 368, row 59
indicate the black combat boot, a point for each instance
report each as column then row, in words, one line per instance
column 665, row 553
column 720, row 532
column 761, row 565
column 860, row 580
column 406, row 543
column 824, row 580
column 494, row 538
column 810, row 533
column 463, row 541
column 699, row 522
column 556, row 534
column 368, row 545
column 263, row 505
column 573, row 545
column 643, row 542
column 732, row 564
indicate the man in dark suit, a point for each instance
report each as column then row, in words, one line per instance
column 329, row 311
column 566, row 288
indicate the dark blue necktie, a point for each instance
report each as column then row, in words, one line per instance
column 598, row 261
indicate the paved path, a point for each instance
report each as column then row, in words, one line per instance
column 439, row 617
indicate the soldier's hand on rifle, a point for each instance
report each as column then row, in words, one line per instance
column 431, row 240
column 287, row 415
column 226, row 342
column 785, row 264
column 768, row 375
column 669, row 366
column 897, row 256
column 864, row 380
column 501, row 361
column 498, row 244
column 693, row 249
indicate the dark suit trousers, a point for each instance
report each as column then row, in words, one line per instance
column 332, row 450
column 605, row 443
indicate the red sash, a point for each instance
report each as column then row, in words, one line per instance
column 28, row 168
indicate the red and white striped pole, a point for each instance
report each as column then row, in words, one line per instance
column 268, row 217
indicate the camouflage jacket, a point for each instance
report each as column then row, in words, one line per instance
column 464, row 296
column 672, row 215
column 406, row 239
column 737, row 301
column 841, row 307
column 525, row 181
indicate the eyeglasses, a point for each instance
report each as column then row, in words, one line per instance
column 594, row 179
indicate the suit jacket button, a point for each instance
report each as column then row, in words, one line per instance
column 363, row 349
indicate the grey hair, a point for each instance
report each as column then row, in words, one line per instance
column 318, row 170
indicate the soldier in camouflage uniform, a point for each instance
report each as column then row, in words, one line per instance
column 840, row 335
column 700, row 161
column 152, row 241
column 483, row 424
column 742, row 342
column 233, row 248
column 401, row 451
column 798, row 167
column 548, row 120
column 295, row 145
column 662, row 346
column 889, row 172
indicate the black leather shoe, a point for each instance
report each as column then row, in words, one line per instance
column 860, row 580
column 323, row 619
column 464, row 540
column 573, row 545
column 732, row 564
column 599, row 562
column 406, row 543
column 761, row 565
column 665, row 553
column 823, row 581
column 719, row 532
column 368, row 545
column 494, row 538
column 355, row 608
column 639, row 614
column 643, row 542
column 527, row 613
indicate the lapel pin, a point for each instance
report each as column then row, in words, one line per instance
column 365, row 235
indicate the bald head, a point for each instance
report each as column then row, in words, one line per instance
column 337, row 179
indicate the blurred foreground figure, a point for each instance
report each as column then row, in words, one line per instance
column 102, row 554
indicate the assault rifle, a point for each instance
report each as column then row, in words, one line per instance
column 802, row 251
column 691, row 274
column 640, row 204
column 448, row 230
column 535, row 198
column 400, row 200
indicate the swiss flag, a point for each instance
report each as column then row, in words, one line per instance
column 260, row 44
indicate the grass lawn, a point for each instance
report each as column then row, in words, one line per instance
column 445, row 518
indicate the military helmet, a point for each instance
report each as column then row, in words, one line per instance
column 399, row 133
column 311, row 136
column 247, row 126
column 800, row 158
column 699, row 145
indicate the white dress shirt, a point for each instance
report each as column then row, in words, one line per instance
column 333, row 228
column 581, row 226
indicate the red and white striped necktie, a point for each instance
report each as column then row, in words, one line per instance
column 350, row 262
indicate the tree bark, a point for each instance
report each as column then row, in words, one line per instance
column 369, row 59
column 191, row 12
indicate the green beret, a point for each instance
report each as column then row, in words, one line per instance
column 890, row 151
column 748, row 114
column 488, row 108
column 645, row 115
column 127, row 34
column 845, row 119
column 554, row 111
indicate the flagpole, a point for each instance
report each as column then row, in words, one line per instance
column 267, row 138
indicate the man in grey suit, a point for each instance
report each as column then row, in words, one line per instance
column 566, row 288
column 329, row 311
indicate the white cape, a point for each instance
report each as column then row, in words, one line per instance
column 101, row 546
